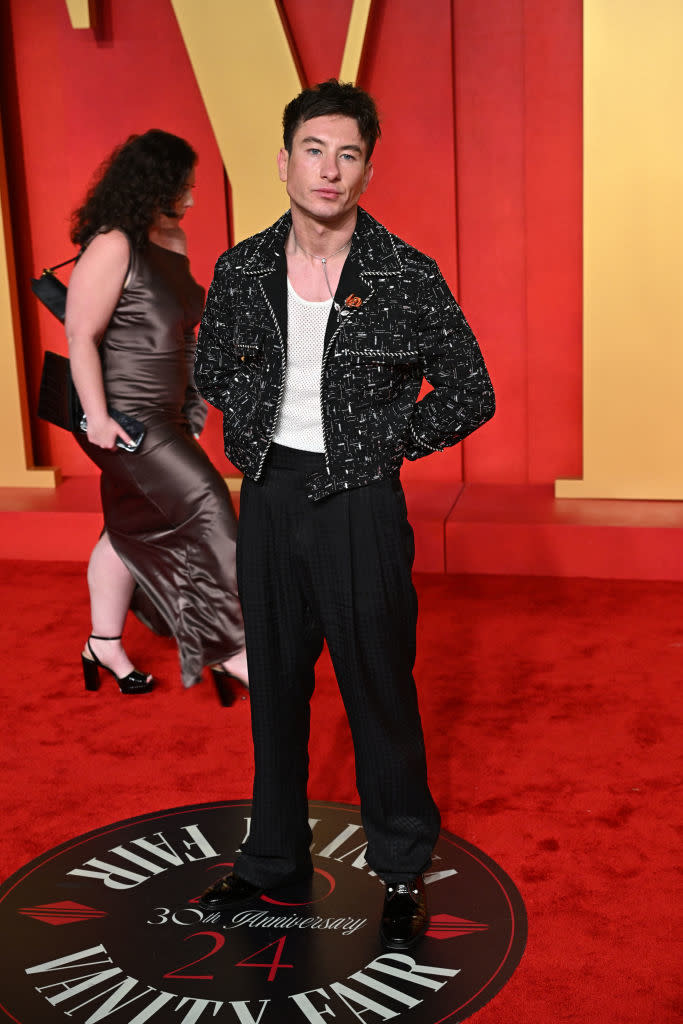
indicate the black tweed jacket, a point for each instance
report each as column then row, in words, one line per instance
column 397, row 323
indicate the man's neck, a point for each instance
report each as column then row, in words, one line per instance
column 316, row 253
column 320, row 238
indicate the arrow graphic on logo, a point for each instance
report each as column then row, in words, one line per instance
column 445, row 926
column 66, row 912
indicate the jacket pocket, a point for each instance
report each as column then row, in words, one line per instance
column 377, row 376
column 248, row 350
column 364, row 352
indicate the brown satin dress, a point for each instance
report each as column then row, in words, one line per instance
column 166, row 508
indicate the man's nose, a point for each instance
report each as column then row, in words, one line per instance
column 330, row 168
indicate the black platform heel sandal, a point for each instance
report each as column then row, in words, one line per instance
column 134, row 682
column 224, row 684
column 227, row 686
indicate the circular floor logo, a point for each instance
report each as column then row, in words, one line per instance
column 107, row 928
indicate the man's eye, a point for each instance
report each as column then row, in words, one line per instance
column 349, row 156
column 313, row 152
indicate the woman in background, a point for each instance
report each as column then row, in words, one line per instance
column 168, row 546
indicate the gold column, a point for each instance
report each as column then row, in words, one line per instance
column 633, row 227
column 16, row 460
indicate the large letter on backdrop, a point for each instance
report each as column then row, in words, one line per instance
column 79, row 13
column 246, row 74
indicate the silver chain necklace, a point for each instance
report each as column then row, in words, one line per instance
column 323, row 260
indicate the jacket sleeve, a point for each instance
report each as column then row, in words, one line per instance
column 217, row 367
column 462, row 398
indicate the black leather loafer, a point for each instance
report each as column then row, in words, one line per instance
column 231, row 890
column 405, row 917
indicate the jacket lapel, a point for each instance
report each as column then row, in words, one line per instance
column 267, row 263
column 372, row 255
column 352, row 292
column 274, row 288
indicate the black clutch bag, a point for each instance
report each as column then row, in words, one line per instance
column 134, row 428
column 58, row 401
column 50, row 290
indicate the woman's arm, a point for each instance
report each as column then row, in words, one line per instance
column 94, row 290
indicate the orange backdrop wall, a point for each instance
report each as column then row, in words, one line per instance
column 479, row 166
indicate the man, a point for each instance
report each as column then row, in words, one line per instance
column 314, row 343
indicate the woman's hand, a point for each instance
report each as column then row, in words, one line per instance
column 104, row 432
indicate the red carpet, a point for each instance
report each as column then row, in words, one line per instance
column 551, row 711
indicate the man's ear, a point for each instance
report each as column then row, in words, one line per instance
column 282, row 163
column 367, row 177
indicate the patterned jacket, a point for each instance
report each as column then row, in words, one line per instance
column 397, row 322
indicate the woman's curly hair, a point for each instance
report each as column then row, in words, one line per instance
column 143, row 176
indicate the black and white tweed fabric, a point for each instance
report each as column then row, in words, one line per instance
column 397, row 324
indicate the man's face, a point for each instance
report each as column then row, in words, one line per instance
column 326, row 172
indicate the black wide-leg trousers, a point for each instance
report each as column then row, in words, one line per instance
column 339, row 570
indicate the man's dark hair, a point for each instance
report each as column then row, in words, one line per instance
column 333, row 97
column 144, row 175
